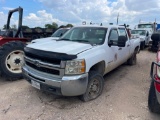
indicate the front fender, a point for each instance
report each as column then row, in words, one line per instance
column 93, row 56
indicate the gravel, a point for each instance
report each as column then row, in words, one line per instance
column 124, row 97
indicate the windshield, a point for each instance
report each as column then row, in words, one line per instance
column 59, row 32
column 140, row 32
column 145, row 26
column 92, row 35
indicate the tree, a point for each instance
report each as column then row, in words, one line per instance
column 69, row 25
column 24, row 27
column 55, row 25
column 62, row 26
column 4, row 27
column 48, row 26
column 38, row 27
column 14, row 27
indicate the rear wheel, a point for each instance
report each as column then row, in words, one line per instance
column 11, row 60
column 94, row 88
column 153, row 104
column 133, row 59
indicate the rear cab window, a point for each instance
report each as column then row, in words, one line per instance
column 122, row 32
column 113, row 36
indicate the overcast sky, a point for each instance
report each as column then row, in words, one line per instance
column 41, row 12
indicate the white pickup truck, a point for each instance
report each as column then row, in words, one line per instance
column 74, row 65
column 56, row 35
column 143, row 35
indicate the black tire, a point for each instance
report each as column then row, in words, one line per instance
column 142, row 45
column 153, row 104
column 133, row 59
column 6, row 51
column 93, row 78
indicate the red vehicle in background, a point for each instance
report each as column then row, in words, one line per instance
column 11, row 49
column 154, row 92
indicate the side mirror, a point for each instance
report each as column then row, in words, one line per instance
column 110, row 43
column 122, row 41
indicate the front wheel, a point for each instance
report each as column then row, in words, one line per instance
column 11, row 60
column 94, row 88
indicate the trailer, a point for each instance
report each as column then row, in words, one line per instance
column 34, row 33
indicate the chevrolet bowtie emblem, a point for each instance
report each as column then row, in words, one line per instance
column 37, row 63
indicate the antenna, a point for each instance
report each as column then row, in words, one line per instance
column 117, row 18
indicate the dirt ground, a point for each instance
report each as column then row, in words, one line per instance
column 124, row 97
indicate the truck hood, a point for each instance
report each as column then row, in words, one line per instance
column 141, row 36
column 67, row 47
column 44, row 39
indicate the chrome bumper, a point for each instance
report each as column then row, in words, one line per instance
column 68, row 85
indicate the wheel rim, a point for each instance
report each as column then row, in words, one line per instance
column 94, row 89
column 14, row 61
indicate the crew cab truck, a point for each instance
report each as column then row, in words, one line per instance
column 143, row 35
column 75, row 64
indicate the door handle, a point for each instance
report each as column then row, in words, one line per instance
column 128, row 45
column 119, row 48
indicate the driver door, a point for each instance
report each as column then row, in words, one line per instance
column 113, row 49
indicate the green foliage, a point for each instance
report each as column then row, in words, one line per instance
column 4, row 27
column 24, row 27
column 55, row 25
column 38, row 27
column 69, row 25
column 62, row 26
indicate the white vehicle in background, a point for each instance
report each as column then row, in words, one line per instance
column 55, row 36
column 143, row 35
column 149, row 26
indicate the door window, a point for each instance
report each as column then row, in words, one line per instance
column 122, row 32
column 113, row 37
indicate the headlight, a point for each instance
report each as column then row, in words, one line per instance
column 75, row 67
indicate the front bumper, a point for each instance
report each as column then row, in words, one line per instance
column 66, row 86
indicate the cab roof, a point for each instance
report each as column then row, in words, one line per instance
column 107, row 26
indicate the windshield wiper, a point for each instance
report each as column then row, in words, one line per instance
column 84, row 41
column 63, row 39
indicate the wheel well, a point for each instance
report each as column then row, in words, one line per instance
column 137, row 49
column 99, row 67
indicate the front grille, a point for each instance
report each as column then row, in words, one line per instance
column 48, row 56
column 44, row 59
column 42, row 69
